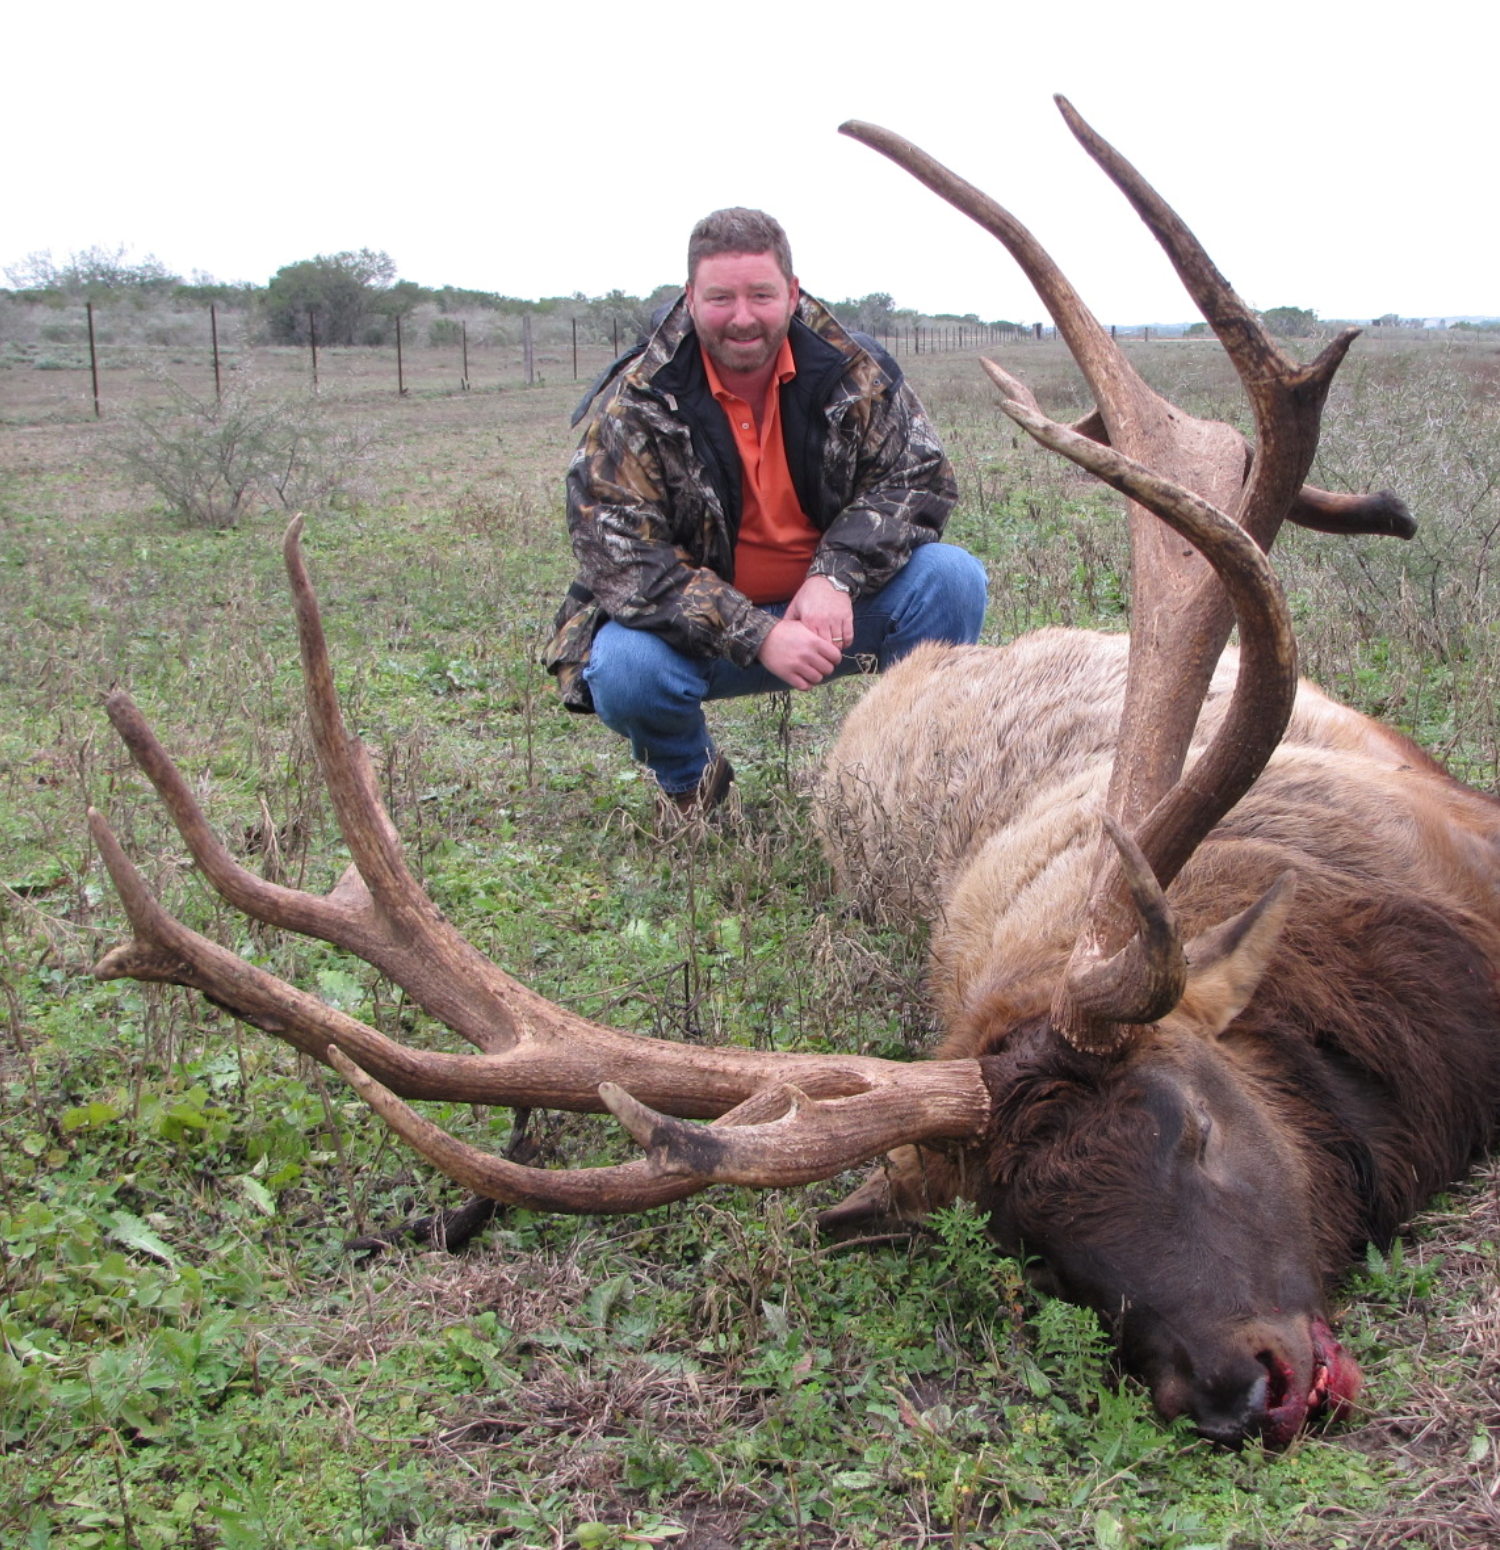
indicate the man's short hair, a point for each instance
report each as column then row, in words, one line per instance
column 738, row 230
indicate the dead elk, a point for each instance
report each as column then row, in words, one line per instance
column 1144, row 1080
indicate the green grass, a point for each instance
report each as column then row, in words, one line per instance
column 187, row 1354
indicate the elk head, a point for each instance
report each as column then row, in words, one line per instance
column 780, row 1119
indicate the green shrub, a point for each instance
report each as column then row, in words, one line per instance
column 340, row 288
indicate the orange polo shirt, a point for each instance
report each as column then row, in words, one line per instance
column 776, row 541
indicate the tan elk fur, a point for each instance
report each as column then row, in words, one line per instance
column 966, row 789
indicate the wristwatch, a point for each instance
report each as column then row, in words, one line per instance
column 839, row 586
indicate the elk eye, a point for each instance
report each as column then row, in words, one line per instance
column 1197, row 1127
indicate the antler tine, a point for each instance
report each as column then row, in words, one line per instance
column 813, row 1138
column 633, row 1186
column 1105, row 988
column 1383, row 514
column 412, row 942
column 1274, row 383
column 1266, row 686
column 345, row 765
column 1116, row 385
column 777, row 1138
column 1247, row 343
column 1100, row 998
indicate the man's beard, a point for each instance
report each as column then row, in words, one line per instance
column 735, row 356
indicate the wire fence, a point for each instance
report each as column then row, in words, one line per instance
column 453, row 362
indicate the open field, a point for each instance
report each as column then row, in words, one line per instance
column 189, row 1355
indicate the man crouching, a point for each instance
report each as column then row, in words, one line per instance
column 755, row 505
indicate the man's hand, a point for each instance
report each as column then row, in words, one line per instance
column 797, row 655
column 825, row 610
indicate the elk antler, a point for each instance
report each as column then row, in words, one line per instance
column 781, row 1117
column 1188, row 473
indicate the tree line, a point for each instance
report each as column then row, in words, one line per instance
column 355, row 297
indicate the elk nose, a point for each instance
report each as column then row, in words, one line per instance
column 1235, row 1405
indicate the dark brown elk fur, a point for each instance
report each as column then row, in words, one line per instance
column 1202, row 1190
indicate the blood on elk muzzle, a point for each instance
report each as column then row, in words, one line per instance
column 1190, row 1065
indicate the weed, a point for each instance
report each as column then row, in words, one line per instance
column 210, row 459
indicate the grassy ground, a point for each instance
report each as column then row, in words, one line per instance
column 189, row 1356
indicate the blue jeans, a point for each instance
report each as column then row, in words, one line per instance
column 651, row 693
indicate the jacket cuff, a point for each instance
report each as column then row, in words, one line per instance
column 844, row 569
column 742, row 646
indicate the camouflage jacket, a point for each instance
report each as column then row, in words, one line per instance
column 654, row 491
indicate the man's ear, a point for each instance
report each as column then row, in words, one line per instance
column 1226, row 964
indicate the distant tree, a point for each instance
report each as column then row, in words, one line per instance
column 1195, row 330
column 634, row 316
column 343, row 289
column 203, row 289
column 35, row 272
column 401, row 299
column 95, row 272
column 450, row 298
column 1291, row 322
column 872, row 314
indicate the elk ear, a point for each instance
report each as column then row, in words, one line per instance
column 901, row 1190
column 1225, row 964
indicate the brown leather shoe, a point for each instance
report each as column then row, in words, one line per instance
column 712, row 788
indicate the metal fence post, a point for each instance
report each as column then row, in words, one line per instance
column 93, row 359
column 213, row 324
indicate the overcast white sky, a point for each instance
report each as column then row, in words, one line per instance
column 1330, row 155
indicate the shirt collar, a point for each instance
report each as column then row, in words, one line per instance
column 786, row 369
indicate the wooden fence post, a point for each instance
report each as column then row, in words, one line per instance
column 312, row 335
column 528, row 350
column 463, row 381
column 400, row 367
